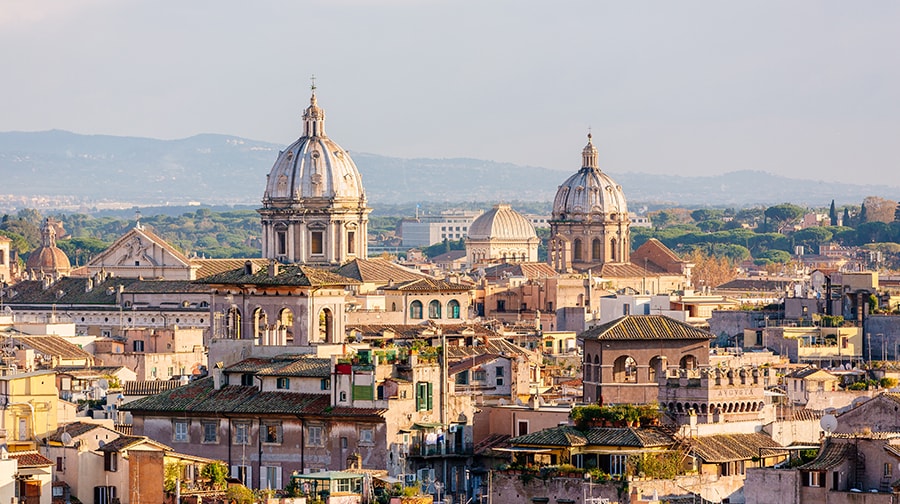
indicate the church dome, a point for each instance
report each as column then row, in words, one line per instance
column 501, row 223
column 589, row 194
column 314, row 168
column 48, row 258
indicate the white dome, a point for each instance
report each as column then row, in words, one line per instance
column 314, row 168
column 590, row 194
column 501, row 223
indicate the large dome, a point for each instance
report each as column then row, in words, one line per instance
column 48, row 258
column 313, row 168
column 501, row 223
column 589, row 194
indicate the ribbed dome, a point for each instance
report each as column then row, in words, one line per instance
column 314, row 167
column 589, row 194
column 48, row 259
column 501, row 223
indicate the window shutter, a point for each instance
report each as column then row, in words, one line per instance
column 429, row 404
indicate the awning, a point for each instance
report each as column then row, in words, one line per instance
column 426, row 426
column 389, row 479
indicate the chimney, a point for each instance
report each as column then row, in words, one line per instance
column 248, row 268
column 218, row 376
column 89, row 285
column 273, row 268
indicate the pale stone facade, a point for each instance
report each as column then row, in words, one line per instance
column 501, row 235
column 140, row 253
column 314, row 208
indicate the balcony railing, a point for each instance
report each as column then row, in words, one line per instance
column 440, row 449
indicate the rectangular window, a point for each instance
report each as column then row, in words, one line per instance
column 351, row 242
column 501, row 305
column 271, row 478
column 242, row 433
column 283, row 383
column 59, row 464
column 272, row 432
column 316, row 243
column 314, row 435
column 138, row 346
column 210, row 432
column 343, row 443
column 888, row 469
column 814, row 479
column 617, row 464
column 181, row 431
column 111, row 461
column 366, row 436
column 247, row 380
column 325, row 384
column 424, row 396
column 462, row 378
column 281, row 242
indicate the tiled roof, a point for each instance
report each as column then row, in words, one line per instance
column 729, row 447
column 81, row 371
column 832, row 455
column 287, row 365
column 491, row 441
column 756, row 284
column 378, row 271
column 401, row 331
column 65, row 291
column 210, row 267
column 124, row 442
column 74, row 429
column 150, row 236
column 50, row 345
column 802, row 414
column 866, row 435
column 288, row 275
column 148, row 387
column 200, row 397
column 529, row 270
column 804, row 373
column 494, row 346
column 469, row 363
column 166, row 287
column 30, row 458
column 565, row 435
column 453, row 255
column 645, row 327
column 428, row 285
column 623, row 270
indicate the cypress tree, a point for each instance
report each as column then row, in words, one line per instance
column 832, row 214
column 846, row 220
column 863, row 214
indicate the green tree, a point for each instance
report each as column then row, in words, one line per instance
column 775, row 256
column 863, row 216
column 832, row 214
column 846, row 220
column 215, row 473
column 783, row 214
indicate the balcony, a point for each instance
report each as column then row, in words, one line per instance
column 440, row 450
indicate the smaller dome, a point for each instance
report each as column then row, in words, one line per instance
column 48, row 259
column 501, row 223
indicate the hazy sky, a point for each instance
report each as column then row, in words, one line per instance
column 806, row 89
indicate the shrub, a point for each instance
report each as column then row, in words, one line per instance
column 239, row 494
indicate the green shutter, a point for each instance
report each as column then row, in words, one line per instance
column 428, row 401
column 363, row 393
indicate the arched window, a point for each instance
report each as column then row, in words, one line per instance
column 393, row 306
column 434, row 309
column 233, row 322
column 259, row 323
column 326, row 326
column 655, row 368
column 596, row 252
column 625, row 370
column 688, row 362
column 286, row 325
column 453, row 309
column 415, row 309
column 576, row 250
column 612, row 249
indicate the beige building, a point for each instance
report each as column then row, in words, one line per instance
column 140, row 253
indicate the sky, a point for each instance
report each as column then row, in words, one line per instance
column 803, row 89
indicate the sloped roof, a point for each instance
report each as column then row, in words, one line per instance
column 567, row 436
column 529, row 270
column 210, row 267
column 756, row 284
column 378, row 271
column 402, row 331
column 74, row 429
column 288, row 275
column 622, row 270
column 729, row 447
column 125, row 442
column 645, row 327
column 832, row 455
column 67, row 290
column 494, row 346
column 150, row 235
column 809, row 372
column 51, row 345
column 428, row 285
column 286, row 365
column 148, row 387
column 469, row 363
column 30, row 458
column 453, row 255
column 199, row 396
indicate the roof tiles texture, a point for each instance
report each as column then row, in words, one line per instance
column 303, row 366
column 567, row 436
column 646, row 327
column 730, row 447
column 287, row 275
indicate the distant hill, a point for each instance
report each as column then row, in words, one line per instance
column 220, row 169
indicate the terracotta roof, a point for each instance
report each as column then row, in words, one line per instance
column 210, row 267
column 469, row 363
column 401, row 331
column 645, row 327
column 491, row 441
column 805, row 373
column 287, row 365
column 288, row 275
column 73, row 290
column 832, row 455
column 81, row 371
column 564, row 435
column 165, row 287
column 756, row 284
column 494, row 346
column 622, row 270
column 729, row 447
column 124, row 442
column 148, row 387
column 50, row 345
column 200, row 397
column 529, row 270
column 428, row 285
column 453, row 255
column 378, row 271
column 74, row 429
column 30, row 458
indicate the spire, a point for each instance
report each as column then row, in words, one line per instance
column 48, row 233
column 313, row 116
column 589, row 155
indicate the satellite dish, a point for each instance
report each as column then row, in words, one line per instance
column 66, row 439
column 103, row 384
column 828, row 423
